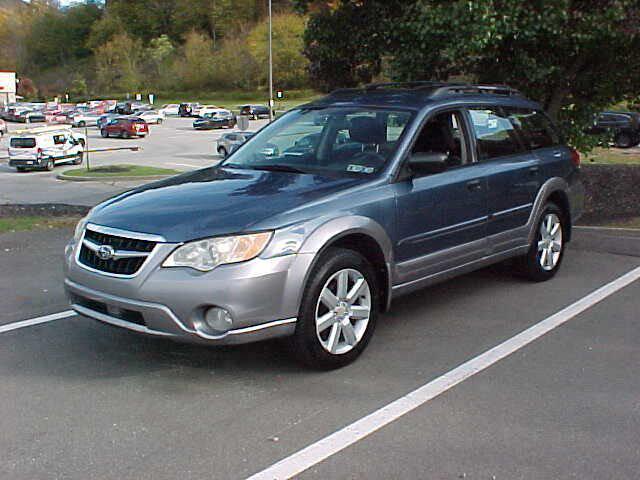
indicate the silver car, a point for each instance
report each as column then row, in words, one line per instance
column 228, row 142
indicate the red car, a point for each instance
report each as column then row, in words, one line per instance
column 125, row 128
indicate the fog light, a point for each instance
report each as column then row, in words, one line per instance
column 218, row 319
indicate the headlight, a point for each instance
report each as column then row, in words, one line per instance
column 207, row 254
column 80, row 228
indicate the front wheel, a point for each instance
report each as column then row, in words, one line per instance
column 545, row 254
column 338, row 312
column 104, row 133
column 223, row 151
column 81, row 124
column 49, row 164
column 78, row 159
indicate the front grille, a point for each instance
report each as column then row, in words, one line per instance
column 120, row 243
column 122, row 266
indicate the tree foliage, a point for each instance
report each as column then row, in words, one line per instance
column 289, row 64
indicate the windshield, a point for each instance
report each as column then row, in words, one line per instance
column 345, row 141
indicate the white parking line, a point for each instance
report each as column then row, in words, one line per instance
column 35, row 321
column 341, row 439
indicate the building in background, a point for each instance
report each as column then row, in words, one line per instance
column 7, row 87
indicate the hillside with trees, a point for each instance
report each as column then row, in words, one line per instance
column 121, row 46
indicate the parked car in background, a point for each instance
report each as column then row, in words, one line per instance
column 106, row 118
column 215, row 119
column 229, row 142
column 131, row 107
column 85, row 119
column 45, row 147
column 188, row 109
column 255, row 111
column 204, row 109
column 172, row 109
column 31, row 116
column 3, row 127
column 623, row 127
column 151, row 116
column 125, row 127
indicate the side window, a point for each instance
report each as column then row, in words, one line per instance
column 536, row 128
column 495, row 134
column 444, row 134
column 59, row 139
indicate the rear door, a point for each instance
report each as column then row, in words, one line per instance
column 513, row 175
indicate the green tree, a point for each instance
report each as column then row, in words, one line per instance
column 289, row 64
column 194, row 65
column 346, row 40
column 118, row 64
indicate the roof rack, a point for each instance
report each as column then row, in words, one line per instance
column 436, row 88
column 44, row 129
column 471, row 89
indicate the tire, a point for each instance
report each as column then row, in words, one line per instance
column 160, row 121
column 81, row 124
column 104, row 133
column 545, row 254
column 125, row 134
column 21, row 169
column 81, row 142
column 49, row 165
column 335, row 346
column 223, row 151
column 623, row 140
column 78, row 159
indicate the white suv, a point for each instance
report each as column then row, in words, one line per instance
column 43, row 148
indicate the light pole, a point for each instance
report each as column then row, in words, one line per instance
column 271, row 101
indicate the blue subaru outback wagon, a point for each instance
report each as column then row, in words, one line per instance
column 321, row 219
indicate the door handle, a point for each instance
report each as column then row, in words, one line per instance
column 557, row 154
column 474, row 185
column 534, row 171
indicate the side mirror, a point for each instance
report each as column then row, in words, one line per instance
column 428, row 163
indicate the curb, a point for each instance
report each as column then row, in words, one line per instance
column 68, row 178
column 35, row 209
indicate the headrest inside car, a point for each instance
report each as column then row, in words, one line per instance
column 367, row 130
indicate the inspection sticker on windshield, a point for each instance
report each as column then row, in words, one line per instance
column 360, row 169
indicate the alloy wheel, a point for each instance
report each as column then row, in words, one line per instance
column 343, row 311
column 550, row 242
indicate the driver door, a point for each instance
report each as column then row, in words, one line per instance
column 442, row 217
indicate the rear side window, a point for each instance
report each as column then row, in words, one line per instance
column 22, row 143
column 536, row 128
column 495, row 134
column 59, row 139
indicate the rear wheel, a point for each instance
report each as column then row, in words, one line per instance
column 21, row 169
column 338, row 312
column 81, row 124
column 49, row 164
column 623, row 140
column 125, row 134
column 159, row 122
column 223, row 151
column 545, row 254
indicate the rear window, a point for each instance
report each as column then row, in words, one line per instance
column 495, row 134
column 22, row 143
column 536, row 128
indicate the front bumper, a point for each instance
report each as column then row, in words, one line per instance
column 262, row 296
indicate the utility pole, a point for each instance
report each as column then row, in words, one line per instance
column 271, row 101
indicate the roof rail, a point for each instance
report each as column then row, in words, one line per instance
column 43, row 129
column 409, row 85
column 471, row 89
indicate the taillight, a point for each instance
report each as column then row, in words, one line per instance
column 39, row 152
column 575, row 157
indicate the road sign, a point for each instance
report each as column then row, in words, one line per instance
column 280, row 94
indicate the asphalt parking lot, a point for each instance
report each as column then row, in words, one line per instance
column 82, row 400
column 174, row 144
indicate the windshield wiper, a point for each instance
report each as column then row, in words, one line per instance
column 277, row 168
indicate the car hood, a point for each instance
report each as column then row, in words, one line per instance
column 214, row 201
